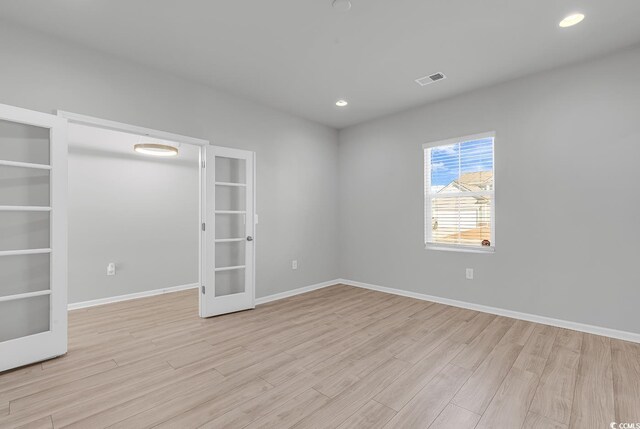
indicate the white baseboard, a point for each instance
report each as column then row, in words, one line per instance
column 590, row 329
column 119, row 298
column 294, row 292
column 263, row 300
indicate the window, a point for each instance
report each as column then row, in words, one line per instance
column 459, row 194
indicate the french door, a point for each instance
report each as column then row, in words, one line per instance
column 33, row 236
column 229, row 231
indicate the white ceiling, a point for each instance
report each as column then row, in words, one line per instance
column 302, row 55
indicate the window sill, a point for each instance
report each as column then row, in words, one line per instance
column 463, row 249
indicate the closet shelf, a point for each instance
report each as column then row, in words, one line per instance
column 24, row 165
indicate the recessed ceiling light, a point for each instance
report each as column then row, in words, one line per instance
column 341, row 103
column 571, row 20
column 343, row 5
column 155, row 149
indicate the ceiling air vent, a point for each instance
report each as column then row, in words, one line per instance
column 430, row 79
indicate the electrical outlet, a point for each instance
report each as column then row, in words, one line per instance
column 469, row 273
column 111, row 269
column 294, row 264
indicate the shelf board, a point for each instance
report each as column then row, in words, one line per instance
column 231, row 184
column 237, row 267
column 24, row 165
column 230, row 212
column 24, row 209
column 24, row 295
column 24, row 252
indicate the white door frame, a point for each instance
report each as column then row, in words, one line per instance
column 75, row 118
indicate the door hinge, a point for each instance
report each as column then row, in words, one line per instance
column 203, row 289
column 204, row 226
column 204, row 164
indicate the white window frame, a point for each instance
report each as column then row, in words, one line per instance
column 427, row 197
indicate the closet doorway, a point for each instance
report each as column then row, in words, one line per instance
column 227, row 222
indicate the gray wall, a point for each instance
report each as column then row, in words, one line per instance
column 140, row 212
column 296, row 158
column 567, row 207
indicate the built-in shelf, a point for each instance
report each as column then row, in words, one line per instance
column 24, row 209
column 231, row 184
column 24, row 165
column 24, row 252
column 237, row 267
column 229, row 240
column 24, row 295
column 230, row 212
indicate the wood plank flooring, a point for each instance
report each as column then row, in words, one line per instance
column 339, row 357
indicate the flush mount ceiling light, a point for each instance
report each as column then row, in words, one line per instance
column 342, row 103
column 155, row 149
column 571, row 20
column 343, row 5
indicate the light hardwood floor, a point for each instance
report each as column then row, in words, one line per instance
column 339, row 357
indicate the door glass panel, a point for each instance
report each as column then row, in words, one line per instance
column 230, row 170
column 231, row 198
column 230, row 254
column 24, row 186
column 28, row 280
column 24, row 273
column 229, row 226
column 24, row 230
column 230, row 282
column 24, row 143
column 22, row 317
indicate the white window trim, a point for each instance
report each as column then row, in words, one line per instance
column 427, row 201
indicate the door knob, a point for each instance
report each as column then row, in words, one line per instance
column 249, row 238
